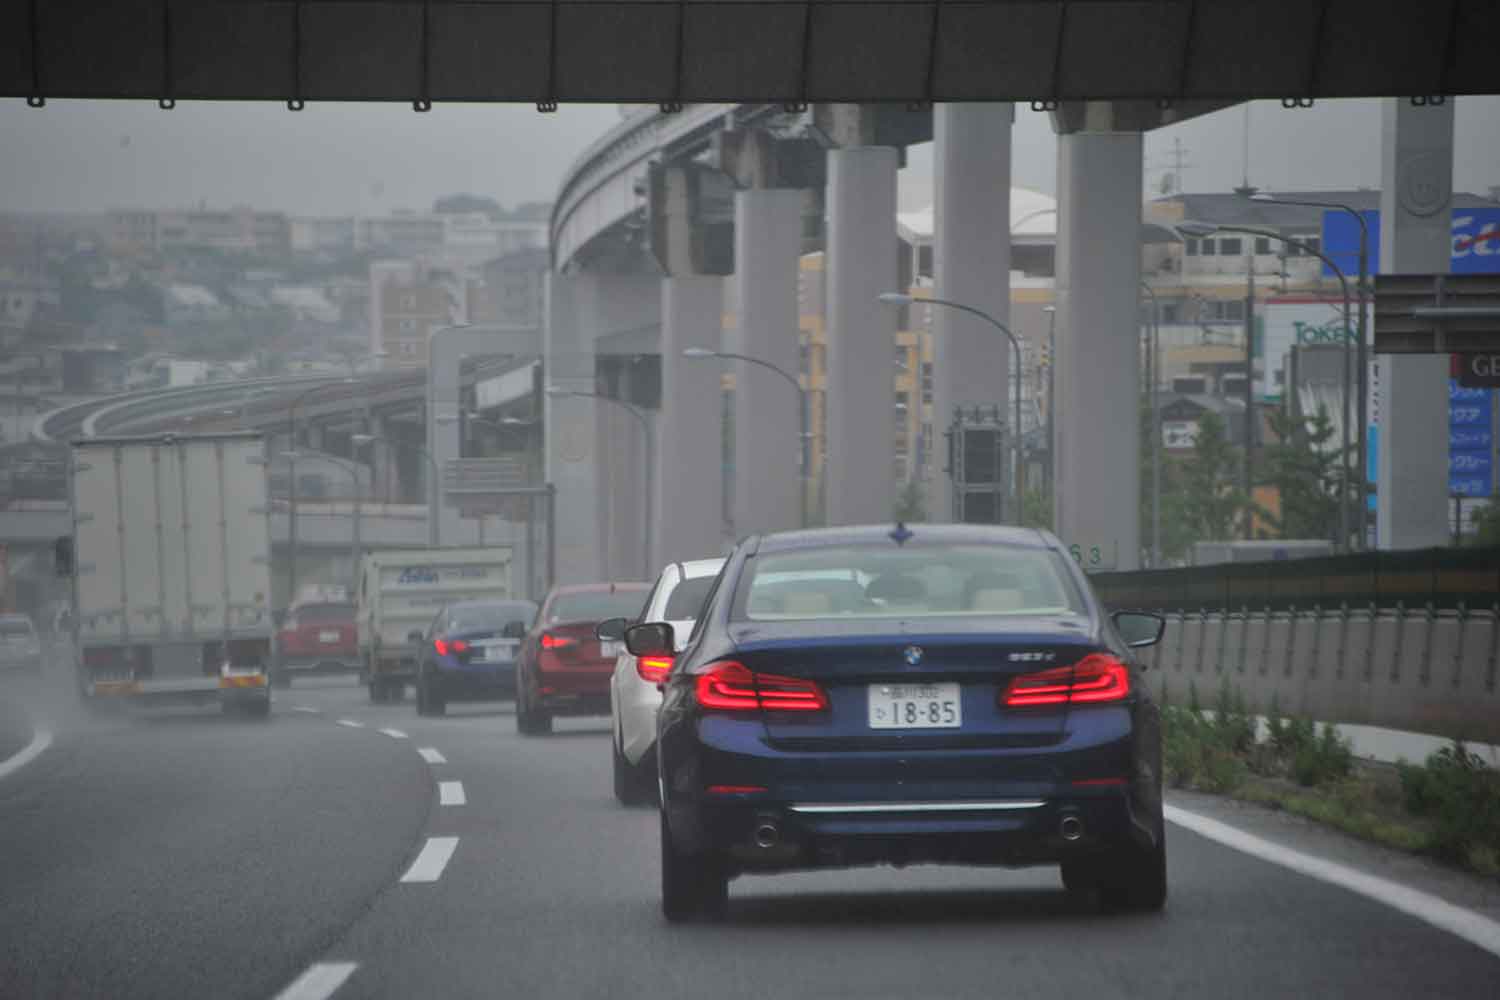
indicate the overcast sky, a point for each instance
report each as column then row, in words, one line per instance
column 350, row 158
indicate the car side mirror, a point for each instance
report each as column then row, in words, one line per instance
column 611, row 629
column 1139, row 628
column 651, row 639
column 513, row 630
column 414, row 637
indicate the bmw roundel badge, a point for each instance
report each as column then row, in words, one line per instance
column 913, row 655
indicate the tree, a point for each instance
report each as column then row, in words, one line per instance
column 1206, row 498
column 911, row 505
column 1306, row 468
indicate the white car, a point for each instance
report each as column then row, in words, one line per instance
column 633, row 694
column 20, row 646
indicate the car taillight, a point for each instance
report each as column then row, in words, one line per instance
column 1096, row 678
column 446, row 646
column 550, row 641
column 653, row 669
column 732, row 687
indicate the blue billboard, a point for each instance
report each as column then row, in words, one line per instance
column 1476, row 241
column 1471, row 445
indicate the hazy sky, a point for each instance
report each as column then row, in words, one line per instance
column 345, row 158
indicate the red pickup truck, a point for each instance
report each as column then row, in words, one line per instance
column 317, row 637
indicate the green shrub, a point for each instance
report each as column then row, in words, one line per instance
column 1461, row 795
column 1323, row 759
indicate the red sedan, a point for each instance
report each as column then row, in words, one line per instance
column 564, row 669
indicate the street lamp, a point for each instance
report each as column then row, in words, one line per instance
column 559, row 392
column 1051, row 312
column 434, row 528
column 355, row 545
column 291, row 518
column 1362, row 376
column 803, row 432
column 903, row 299
column 1198, row 229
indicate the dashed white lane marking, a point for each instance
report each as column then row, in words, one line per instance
column 430, row 862
column 308, row 709
column 319, row 981
column 351, row 724
column 1467, row 924
column 431, row 756
column 451, row 793
column 394, row 734
column 41, row 739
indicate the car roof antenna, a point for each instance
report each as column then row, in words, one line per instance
column 900, row 534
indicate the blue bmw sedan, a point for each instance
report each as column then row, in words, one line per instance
column 949, row 694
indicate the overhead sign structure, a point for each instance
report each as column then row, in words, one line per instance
column 1437, row 313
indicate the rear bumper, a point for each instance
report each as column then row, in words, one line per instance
column 333, row 663
column 243, row 689
column 581, row 691
column 496, row 681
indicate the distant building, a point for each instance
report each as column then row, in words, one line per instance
column 408, row 300
column 192, row 305
column 334, row 235
column 237, row 230
column 509, row 290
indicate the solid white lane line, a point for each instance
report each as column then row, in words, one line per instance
column 430, row 862
column 1472, row 927
column 351, row 724
column 394, row 734
column 431, row 756
column 308, row 709
column 319, row 981
column 41, row 739
column 451, row 793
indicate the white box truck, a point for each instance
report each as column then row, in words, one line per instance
column 172, row 569
column 401, row 591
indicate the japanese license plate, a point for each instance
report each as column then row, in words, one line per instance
column 328, row 635
column 498, row 651
column 915, row 706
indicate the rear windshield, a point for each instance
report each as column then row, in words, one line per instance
column 318, row 613
column 596, row 606
column 11, row 627
column 685, row 602
column 919, row 581
column 491, row 617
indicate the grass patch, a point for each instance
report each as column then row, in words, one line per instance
column 1447, row 808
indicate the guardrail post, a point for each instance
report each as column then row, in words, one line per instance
column 1489, row 681
column 1338, row 671
column 1400, row 635
column 1458, row 651
column 1424, row 669
column 1317, row 646
column 1292, row 615
column 1223, row 637
column 1244, row 637
column 1182, row 642
column 1265, row 644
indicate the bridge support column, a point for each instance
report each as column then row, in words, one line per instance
column 861, row 333
column 1416, row 237
column 767, row 408
column 689, row 485
column 568, row 343
column 1097, row 491
column 971, row 260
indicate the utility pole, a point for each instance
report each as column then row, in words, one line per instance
column 1250, row 421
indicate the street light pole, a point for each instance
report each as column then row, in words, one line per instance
column 1205, row 228
column 1019, row 485
column 803, row 434
column 291, row 519
column 1154, row 373
column 1361, row 380
column 1051, row 312
column 650, row 436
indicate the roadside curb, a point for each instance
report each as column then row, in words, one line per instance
column 41, row 739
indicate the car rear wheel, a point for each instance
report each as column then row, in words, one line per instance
column 432, row 703
column 693, row 886
column 531, row 721
column 1138, row 880
column 634, row 784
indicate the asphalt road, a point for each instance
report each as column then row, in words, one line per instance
column 191, row 855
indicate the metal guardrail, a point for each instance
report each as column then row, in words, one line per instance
column 1440, row 579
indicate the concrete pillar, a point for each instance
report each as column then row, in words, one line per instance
column 1416, row 237
column 767, row 407
column 862, row 248
column 1096, row 493
column 568, row 346
column 971, row 363
column 690, row 446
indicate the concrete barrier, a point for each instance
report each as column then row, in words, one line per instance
column 1416, row 669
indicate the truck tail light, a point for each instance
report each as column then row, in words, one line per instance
column 1094, row 679
column 728, row 686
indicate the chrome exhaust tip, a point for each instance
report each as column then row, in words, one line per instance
column 767, row 835
column 1071, row 828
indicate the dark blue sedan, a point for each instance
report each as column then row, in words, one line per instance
column 469, row 652
column 947, row 694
